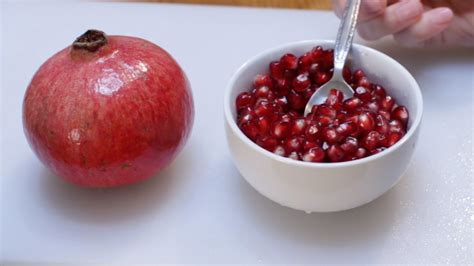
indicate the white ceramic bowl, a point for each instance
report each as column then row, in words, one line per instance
column 325, row 187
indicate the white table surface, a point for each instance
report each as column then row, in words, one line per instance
column 199, row 210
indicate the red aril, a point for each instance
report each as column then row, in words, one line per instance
column 264, row 92
column 281, row 129
column 301, row 82
column 110, row 110
column 299, row 126
column 352, row 104
column 267, row 142
column 362, row 93
column 262, row 81
column 401, row 114
column 335, row 153
column 289, row 61
column 315, row 154
column 294, row 144
column 243, row 100
column 304, row 62
column 276, row 70
column 387, row 103
column 350, row 145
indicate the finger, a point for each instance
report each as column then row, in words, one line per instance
column 368, row 8
column 396, row 18
column 431, row 24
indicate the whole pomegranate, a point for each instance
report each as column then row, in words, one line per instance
column 108, row 110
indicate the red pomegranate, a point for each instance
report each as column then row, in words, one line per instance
column 108, row 110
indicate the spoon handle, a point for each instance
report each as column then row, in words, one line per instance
column 345, row 35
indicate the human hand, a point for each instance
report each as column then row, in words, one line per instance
column 415, row 22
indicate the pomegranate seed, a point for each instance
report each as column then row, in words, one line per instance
column 293, row 114
column 312, row 132
column 308, row 92
column 314, row 109
column 286, row 118
column 315, row 154
column 262, row 81
column 394, row 137
column 361, row 153
column 250, row 130
column 267, row 142
column 383, row 140
column 305, row 61
column 276, row 70
column 325, row 110
column 387, row 103
column 363, row 82
column 299, row 127
column 282, row 102
column 396, row 126
column 314, row 68
column 341, row 116
column 243, row 100
column 289, row 61
column 352, row 104
column 245, row 111
column 330, row 135
column 320, row 78
column 296, row 100
column 375, row 151
column 335, row 153
column 378, row 92
column 294, row 144
column 263, row 126
column 346, row 128
column 372, row 107
column 334, row 99
column 301, row 82
column 247, row 117
column 317, row 53
column 279, row 150
column 310, row 144
column 264, row 92
column 263, row 108
column 358, row 75
column 328, row 59
column 371, row 141
column 295, row 156
column 385, row 114
column 282, row 87
column 346, row 74
column 350, row 145
column 366, row 122
column 290, row 74
column 281, row 129
column 381, row 124
column 324, row 121
column 362, row 93
column 401, row 114
column 353, row 119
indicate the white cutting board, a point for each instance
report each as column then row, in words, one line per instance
column 200, row 210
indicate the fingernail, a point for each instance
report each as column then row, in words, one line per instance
column 409, row 10
column 442, row 15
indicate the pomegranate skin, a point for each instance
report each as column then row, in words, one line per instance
column 108, row 117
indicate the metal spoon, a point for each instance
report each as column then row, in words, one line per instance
column 343, row 45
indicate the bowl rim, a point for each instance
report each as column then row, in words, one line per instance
column 315, row 165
